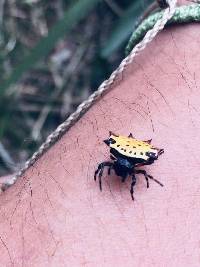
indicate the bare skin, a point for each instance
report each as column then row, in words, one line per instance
column 56, row 215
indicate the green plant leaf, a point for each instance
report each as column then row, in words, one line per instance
column 124, row 27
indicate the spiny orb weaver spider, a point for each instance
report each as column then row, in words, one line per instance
column 128, row 153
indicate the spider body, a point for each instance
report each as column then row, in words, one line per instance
column 126, row 154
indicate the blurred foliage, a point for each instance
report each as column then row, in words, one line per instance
column 53, row 54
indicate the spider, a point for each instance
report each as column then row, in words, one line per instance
column 126, row 154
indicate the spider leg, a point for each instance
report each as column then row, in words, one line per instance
column 100, row 175
column 132, row 185
column 100, row 171
column 147, row 177
column 109, row 169
column 124, row 177
column 158, row 182
column 111, row 166
column 96, row 172
column 112, row 157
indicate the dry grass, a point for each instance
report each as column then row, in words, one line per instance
column 45, row 95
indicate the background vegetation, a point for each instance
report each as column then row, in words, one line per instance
column 53, row 54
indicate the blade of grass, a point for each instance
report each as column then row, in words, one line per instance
column 71, row 17
column 124, row 27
